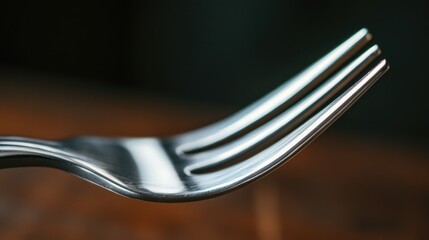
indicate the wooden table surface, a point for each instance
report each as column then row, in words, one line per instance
column 340, row 187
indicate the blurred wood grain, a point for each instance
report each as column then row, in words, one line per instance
column 340, row 187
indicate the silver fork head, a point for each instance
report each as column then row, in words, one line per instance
column 276, row 101
column 221, row 157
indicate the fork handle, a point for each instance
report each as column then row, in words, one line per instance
column 24, row 152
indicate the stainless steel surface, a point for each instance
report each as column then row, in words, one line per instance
column 223, row 156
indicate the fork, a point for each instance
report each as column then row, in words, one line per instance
column 225, row 155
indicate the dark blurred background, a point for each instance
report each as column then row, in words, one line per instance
column 132, row 67
column 226, row 53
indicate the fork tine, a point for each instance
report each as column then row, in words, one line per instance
column 289, row 119
column 269, row 105
column 286, row 148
